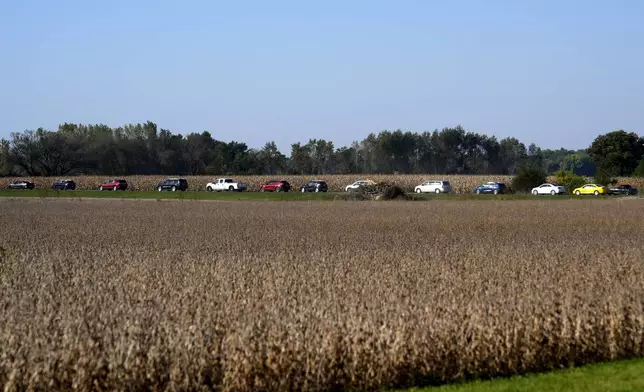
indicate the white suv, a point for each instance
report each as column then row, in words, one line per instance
column 434, row 186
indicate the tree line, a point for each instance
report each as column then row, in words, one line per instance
column 75, row 149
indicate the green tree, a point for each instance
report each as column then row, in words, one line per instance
column 5, row 165
column 639, row 170
column 602, row 177
column 571, row 162
column 270, row 159
column 527, row 177
column 301, row 161
column 512, row 154
column 617, row 153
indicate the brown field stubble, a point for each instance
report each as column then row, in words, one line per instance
column 337, row 182
column 251, row 296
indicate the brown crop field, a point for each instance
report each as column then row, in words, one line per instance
column 266, row 296
column 337, row 182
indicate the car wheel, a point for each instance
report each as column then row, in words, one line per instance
column 535, row 192
column 261, row 189
column 100, row 188
column 553, row 193
column 317, row 189
column 437, row 191
column 578, row 193
column 418, row 190
column 496, row 191
column 231, row 188
column 209, row 188
column 278, row 189
column 174, row 189
column 596, row 193
column 478, row 191
column 302, row 190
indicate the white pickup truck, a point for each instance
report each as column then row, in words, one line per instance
column 226, row 184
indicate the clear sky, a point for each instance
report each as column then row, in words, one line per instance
column 557, row 73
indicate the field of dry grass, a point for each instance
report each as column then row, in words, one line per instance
column 460, row 183
column 252, row 296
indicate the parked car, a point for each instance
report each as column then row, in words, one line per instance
column 315, row 186
column 434, row 186
column 491, row 187
column 275, row 186
column 64, row 185
column 226, row 184
column 21, row 185
column 113, row 185
column 549, row 189
column 591, row 189
column 173, row 184
column 622, row 190
column 358, row 184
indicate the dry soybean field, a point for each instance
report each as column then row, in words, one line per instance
column 259, row 295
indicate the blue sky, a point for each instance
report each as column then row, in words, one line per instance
column 557, row 73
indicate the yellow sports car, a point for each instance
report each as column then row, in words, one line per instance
column 591, row 189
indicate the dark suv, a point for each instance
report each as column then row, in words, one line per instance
column 173, row 184
column 491, row 187
column 315, row 186
column 63, row 185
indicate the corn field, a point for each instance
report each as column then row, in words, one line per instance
column 264, row 296
column 336, row 182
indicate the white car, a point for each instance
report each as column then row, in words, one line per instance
column 226, row 184
column 549, row 189
column 356, row 185
column 434, row 186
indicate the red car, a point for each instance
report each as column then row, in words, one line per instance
column 113, row 185
column 275, row 186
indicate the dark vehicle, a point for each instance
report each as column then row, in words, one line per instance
column 21, row 185
column 622, row 190
column 63, row 185
column 275, row 186
column 491, row 187
column 315, row 186
column 113, row 185
column 173, row 184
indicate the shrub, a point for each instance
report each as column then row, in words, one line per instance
column 603, row 177
column 527, row 178
column 569, row 179
column 393, row 193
